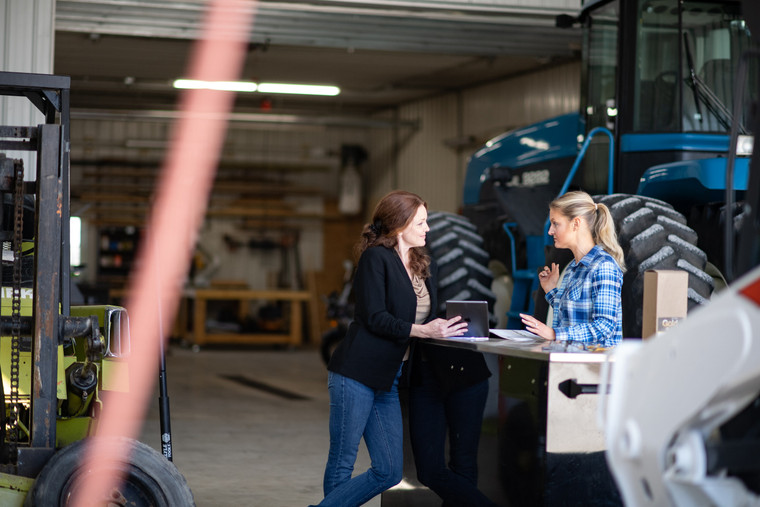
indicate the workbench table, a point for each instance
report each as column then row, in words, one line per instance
column 197, row 334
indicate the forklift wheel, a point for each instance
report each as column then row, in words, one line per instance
column 151, row 480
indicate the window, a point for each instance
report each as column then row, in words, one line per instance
column 600, row 48
column 75, row 240
column 686, row 63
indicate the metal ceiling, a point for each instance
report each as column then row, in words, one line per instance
column 123, row 54
column 479, row 27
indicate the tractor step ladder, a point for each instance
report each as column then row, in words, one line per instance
column 526, row 280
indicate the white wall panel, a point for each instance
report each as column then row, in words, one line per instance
column 380, row 173
column 494, row 108
column 26, row 35
column 26, row 45
column 425, row 165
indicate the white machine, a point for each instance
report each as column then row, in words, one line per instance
column 670, row 397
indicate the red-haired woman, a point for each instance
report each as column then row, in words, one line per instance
column 395, row 294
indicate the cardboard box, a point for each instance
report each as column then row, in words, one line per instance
column 665, row 300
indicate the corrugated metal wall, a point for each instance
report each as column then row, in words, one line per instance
column 26, row 35
column 426, row 165
column 26, row 45
column 428, row 161
column 494, row 108
column 504, row 4
column 136, row 141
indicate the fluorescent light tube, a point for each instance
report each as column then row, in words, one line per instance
column 243, row 86
column 227, row 86
column 299, row 89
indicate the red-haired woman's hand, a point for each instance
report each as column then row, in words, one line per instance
column 440, row 328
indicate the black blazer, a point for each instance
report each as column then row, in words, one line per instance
column 385, row 308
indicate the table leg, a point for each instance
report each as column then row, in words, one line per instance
column 199, row 321
column 295, row 323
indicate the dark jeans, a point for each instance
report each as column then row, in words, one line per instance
column 433, row 411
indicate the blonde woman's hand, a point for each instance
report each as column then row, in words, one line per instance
column 549, row 278
column 440, row 328
column 535, row 326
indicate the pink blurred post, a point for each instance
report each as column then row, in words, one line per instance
column 178, row 211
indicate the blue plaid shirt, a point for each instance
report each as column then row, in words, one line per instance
column 587, row 305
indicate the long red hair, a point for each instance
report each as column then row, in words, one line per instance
column 392, row 214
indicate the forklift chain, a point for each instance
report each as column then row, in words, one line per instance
column 18, row 224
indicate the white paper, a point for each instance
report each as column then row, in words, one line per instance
column 517, row 335
column 469, row 338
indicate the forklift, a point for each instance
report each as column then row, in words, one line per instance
column 57, row 360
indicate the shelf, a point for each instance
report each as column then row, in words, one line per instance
column 120, row 193
column 117, row 248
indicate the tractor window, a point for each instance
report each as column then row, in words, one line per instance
column 714, row 37
column 656, row 96
column 600, row 48
column 686, row 62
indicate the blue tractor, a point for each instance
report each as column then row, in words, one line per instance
column 660, row 138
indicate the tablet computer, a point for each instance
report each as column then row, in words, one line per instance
column 475, row 313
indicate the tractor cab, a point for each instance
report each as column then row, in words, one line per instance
column 654, row 139
column 661, row 76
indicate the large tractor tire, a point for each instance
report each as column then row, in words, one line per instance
column 653, row 235
column 150, row 479
column 463, row 272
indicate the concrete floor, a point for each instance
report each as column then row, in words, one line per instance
column 250, row 428
column 241, row 445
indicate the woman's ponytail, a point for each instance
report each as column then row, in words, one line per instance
column 604, row 234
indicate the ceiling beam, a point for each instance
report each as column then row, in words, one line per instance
column 162, row 116
column 479, row 27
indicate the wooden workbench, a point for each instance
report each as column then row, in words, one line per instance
column 198, row 335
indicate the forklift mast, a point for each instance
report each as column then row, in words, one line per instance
column 57, row 361
column 50, row 321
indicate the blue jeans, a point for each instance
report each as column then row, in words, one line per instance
column 434, row 410
column 358, row 411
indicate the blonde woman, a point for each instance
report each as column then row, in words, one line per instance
column 587, row 306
